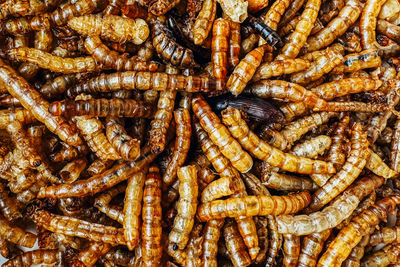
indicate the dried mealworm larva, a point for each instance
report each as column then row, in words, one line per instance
column 390, row 30
column 15, row 234
column 286, row 182
column 285, row 90
column 66, row 12
column 182, row 145
column 220, row 136
column 32, row 101
column 303, row 28
column 101, row 107
column 280, row 67
column 212, row 232
column 131, row 80
column 186, row 206
column 395, row 152
column 234, row 244
column 161, row 120
column 194, row 249
column 127, row 147
column 53, row 63
column 357, row 252
column 39, row 256
column 75, row 227
column 168, row 49
column 243, row 72
column 291, row 11
column 71, row 171
column 151, row 215
column 358, row 61
column 333, row 214
column 58, row 86
column 90, row 255
column 216, row 189
column 385, row 257
column 234, row 44
column 219, row 48
column 111, row 59
column 102, row 202
column 291, row 249
column 160, row 7
column 204, row 21
column 350, row 236
column 239, row 129
column 311, row 247
column 324, row 64
column 352, row 106
column 112, row 28
column 253, row 206
column 132, row 208
column 336, row 27
column 275, row 13
column 313, row 147
column 351, row 169
column 376, row 165
column 385, row 235
column 9, row 207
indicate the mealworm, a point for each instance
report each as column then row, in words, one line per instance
column 8, row 205
column 71, row 171
column 279, row 67
column 291, row 11
column 235, row 246
column 291, row 249
column 32, row 101
column 388, row 255
column 39, row 256
column 378, row 166
column 211, row 235
column 252, row 206
column 15, row 234
column 312, row 247
column 288, row 162
column 234, row 44
column 194, row 249
column 313, row 147
column 220, row 136
column 204, row 21
column 336, row 27
column 102, row 202
column 351, row 235
column 216, row 189
column 303, row 28
column 358, row 61
column 111, row 59
column 132, row 208
column 182, row 145
column 275, row 12
column 90, row 255
column 286, row 182
column 76, row 227
column 332, row 215
column 25, row 8
column 219, row 49
column 66, row 12
column 351, row 169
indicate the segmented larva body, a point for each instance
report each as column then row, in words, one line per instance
column 333, row 214
column 204, row 21
column 350, row 171
column 357, row 253
column 74, row 227
column 293, row 109
column 152, row 217
column 390, row 30
column 353, row 62
column 275, row 13
column 395, row 146
column 234, row 244
column 40, row 256
column 219, row 48
column 220, row 136
column 92, row 131
column 182, row 145
column 58, row 86
column 284, row 139
column 32, row 101
column 90, row 255
column 8, row 205
column 342, row 87
column 280, row 181
column 131, row 80
column 303, row 28
column 133, row 208
column 112, row 28
column 161, row 120
column 16, row 235
column 385, row 257
column 99, row 182
column 291, row 11
column 352, row 106
column 285, row 90
column 339, row 249
column 127, row 147
column 244, row 71
column 291, row 250
column 261, row 150
column 53, row 63
column 280, row 67
column 212, row 232
column 234, row 44
column 25, row 25
column 216, row 189
column 72, row 170
column 223, row 166
column 378, row 166
column 111, row 59
column 385, row 235
column 66, row 12
column 102, row 202
column 186, row 207
column 313, row 147
column 253, row 206
column 168, row 49
column 336, row 27
column 101, row 107
column 323, row 65
column 194, row 248
column 312, row 247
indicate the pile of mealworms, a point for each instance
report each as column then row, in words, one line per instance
column 199, row 133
